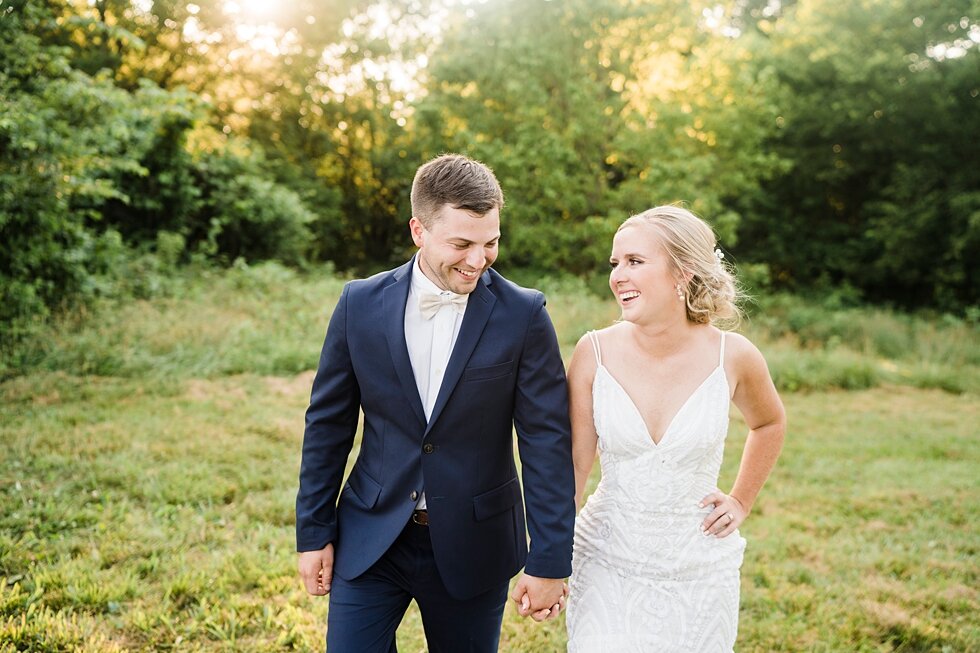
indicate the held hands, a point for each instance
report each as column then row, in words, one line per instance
column 725, row 518
column 539, row 598
column 316, row 570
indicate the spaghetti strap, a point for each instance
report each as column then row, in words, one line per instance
column 721, row 355
column 594, row 337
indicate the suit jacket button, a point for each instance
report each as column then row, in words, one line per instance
column 415, row 496
column 428, row 448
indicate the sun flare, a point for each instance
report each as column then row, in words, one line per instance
column 250, row 11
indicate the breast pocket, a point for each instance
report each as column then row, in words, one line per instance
column 488, row 372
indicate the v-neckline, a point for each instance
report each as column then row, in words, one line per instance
column 639, row 415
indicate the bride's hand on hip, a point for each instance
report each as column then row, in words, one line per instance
column 728, row 514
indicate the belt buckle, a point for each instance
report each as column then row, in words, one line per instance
column 420, row 517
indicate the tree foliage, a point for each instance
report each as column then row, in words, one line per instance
column 84, row 161
column 831, row 142
column 879, row 130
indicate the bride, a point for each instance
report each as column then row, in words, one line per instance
column 657, row 548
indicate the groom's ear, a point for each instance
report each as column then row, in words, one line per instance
column 415, row 225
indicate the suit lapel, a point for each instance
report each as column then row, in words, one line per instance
column 394, row 298
column 478, row 310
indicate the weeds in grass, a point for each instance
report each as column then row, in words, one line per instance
column 268, row 319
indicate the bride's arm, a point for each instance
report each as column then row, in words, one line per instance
column 581, row 372
column 756, row 398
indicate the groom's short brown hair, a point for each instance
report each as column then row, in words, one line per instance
column 458, row 181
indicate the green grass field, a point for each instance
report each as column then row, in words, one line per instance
column 149, row 453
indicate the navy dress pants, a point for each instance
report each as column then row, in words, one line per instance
column 365, row 612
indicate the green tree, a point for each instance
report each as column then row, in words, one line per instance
column 699, row 112
column 62, row 135
column 526, row 87
column 876, row 101
column 89, row 170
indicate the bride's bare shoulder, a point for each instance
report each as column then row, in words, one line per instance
column 613, row 334
column 742, row 355
column 584, row 358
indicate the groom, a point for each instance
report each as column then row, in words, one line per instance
column 445, row 358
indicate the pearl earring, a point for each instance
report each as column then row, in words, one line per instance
column 680, row 292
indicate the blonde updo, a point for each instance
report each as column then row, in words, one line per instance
column 712, row 295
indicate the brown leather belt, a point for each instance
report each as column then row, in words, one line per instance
column 420, row 517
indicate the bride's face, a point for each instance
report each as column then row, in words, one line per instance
column 642, row 277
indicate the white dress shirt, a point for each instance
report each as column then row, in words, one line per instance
column 430, row 342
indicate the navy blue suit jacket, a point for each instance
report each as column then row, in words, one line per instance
column 505, row 371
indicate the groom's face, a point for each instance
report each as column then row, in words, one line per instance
column 457, row 247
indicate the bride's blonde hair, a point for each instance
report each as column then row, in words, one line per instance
column 712, row 294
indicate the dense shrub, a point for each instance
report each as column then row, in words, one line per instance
column 95, row 178
column 248, row 216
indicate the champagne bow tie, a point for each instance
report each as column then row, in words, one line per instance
column 430, row 303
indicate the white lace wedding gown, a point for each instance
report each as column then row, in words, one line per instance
column 644, row 578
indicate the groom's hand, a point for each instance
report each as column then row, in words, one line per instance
column 316, row 570
column 539, row 598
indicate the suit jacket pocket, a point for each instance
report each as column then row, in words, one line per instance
column 488, row 372
column 497, row 500
column 365, row 487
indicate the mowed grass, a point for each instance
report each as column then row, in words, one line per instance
column 149, row 454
